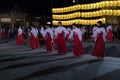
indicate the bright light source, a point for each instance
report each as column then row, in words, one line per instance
column 6, row 20
column 48, row 22
column 74, row 1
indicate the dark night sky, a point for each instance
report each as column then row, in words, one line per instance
column 37, row 7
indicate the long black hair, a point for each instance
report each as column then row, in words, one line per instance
column 74, row 24
column 100, row 24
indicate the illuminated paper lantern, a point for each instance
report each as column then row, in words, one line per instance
column 82, row 7
column 90, row 22
column 53, row 11
column 87, row 6
column 103, row 12
column 90, row 14
column 70, row 15
column 65, row 10
column 111, row 3
column 86, row 22
column 107, row 4
column 82, row 14
column 85, row 14
column 118, row 3
column 97, row 12
column 114, row 12
column 90, row 6
column 78, row 7
column 79, row 14
column 115, row 3
column 110, row 12
column 94, row 5
column 94, row 14
column 100, row 13
column 73, row 8
column 100, row 4
column 68, row 9
column 76, row 21
column 76, row 14
column 73, row 15
column 104, row 20
column 107, row 12
column 79, row 21
column 65, row 17
column 118, row 12
column 97, row 5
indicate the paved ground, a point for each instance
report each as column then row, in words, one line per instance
column 22, row 63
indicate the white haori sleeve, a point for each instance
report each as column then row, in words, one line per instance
column 71, row 35
column 42, row 30
column 95, row 34
column 36, row 30
column 56, row 32
column 94, row 30
column 51, row 33
column 108, row 28
column 48, row 31
column 83, row 31
column 34, row 33
column 78, row 31
column 44, row 33
column 68, row 30
column 19, row 31
column 65, row 31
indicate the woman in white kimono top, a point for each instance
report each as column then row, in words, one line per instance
column 48, row 36
column 68, row 33
column 99, row 47
column 76, row 35
column 34, row 41
column 60, row 34
column 42, row 30
column 109, row 33
column 20, row 38
column 93, row 31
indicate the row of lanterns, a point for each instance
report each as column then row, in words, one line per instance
column 87, row 14
column 80, row 21
column 102, row 4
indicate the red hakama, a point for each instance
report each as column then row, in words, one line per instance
column 99, row 48
column 37, row 42
column 3, row 34
column 109, row 35
column 34, row 42
column 62, row 48
column 20, row 39
column 78, row 47
column 48, row 42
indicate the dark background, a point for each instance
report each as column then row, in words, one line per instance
column 37, row 7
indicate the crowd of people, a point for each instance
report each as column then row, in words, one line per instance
column 60, row 35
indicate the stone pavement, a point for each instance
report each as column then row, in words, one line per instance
column 22, row 63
